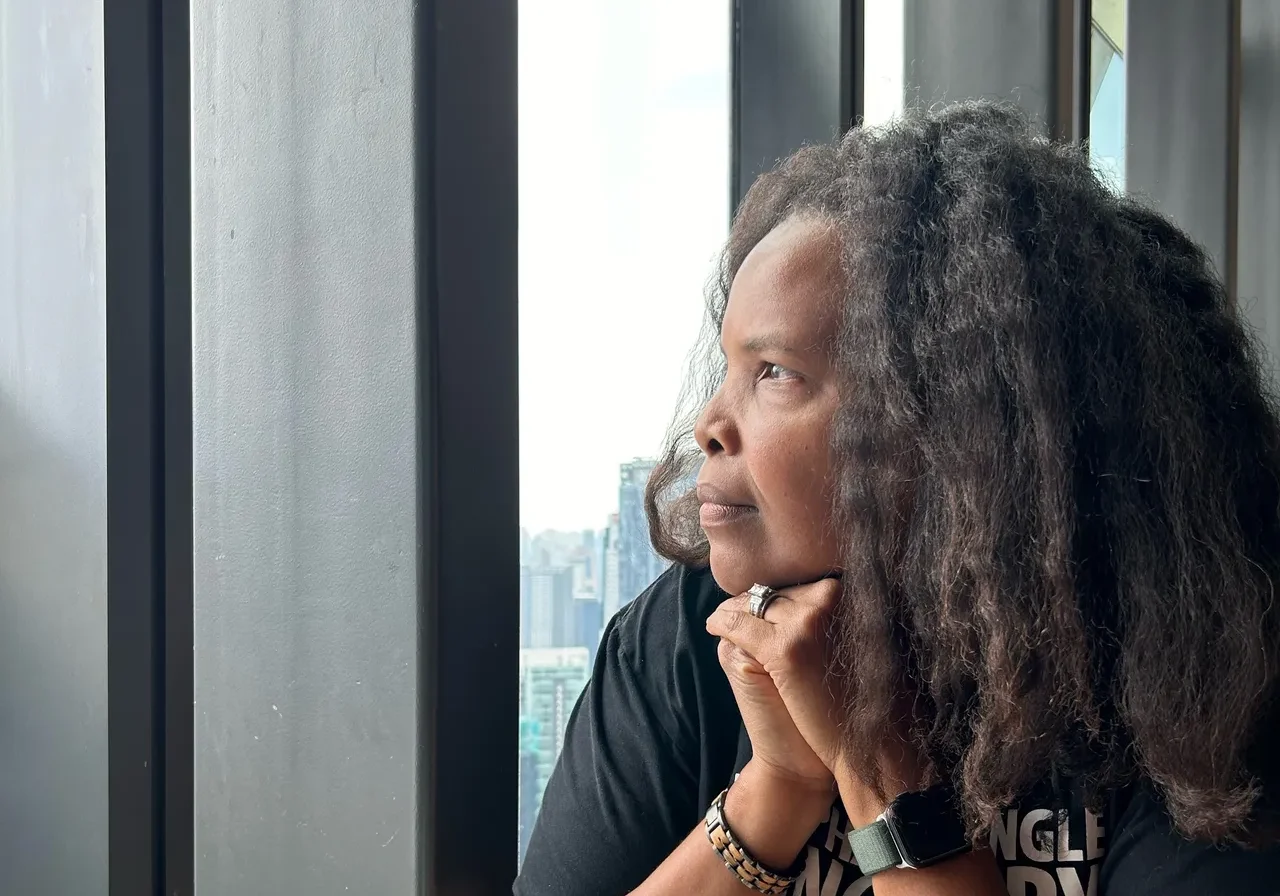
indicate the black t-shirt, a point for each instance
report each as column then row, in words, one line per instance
column 656, row 736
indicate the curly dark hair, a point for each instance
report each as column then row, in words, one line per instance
column 1055, row 473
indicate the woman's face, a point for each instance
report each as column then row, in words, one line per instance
column 764, row 488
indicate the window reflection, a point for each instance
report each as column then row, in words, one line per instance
column 1107, row 90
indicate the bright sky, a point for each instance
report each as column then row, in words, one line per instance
column 624, row 202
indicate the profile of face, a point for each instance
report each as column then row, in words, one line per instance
column 764, row 488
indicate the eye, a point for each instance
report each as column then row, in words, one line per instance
column 777, row 372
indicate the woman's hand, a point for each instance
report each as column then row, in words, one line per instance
column 777, row 664
column 788, row 648
column 776, row 743
column 785, row 791
column 790, row 645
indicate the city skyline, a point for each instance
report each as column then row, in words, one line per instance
column 623, row 118
column 571, row 585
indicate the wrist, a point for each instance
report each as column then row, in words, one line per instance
column 774, row 816
column 863, row 803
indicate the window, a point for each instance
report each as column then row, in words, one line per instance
column 884, row 51
column 1107, row 90
column 624, row 202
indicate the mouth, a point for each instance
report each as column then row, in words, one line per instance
column 712, row 515
column 719, row 508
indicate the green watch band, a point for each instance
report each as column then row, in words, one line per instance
column 874, row 848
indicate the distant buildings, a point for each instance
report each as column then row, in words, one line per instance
column 551, row 619
column 550, row 681
column 571, row 584
column 638, row 564
column 610, row 569
column 531, row 785
column 588, row 621
column 559, row 595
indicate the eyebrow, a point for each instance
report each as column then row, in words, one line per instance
column 771, row 342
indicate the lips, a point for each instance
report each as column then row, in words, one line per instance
column 721, row 507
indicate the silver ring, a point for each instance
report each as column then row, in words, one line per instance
column 761, row 597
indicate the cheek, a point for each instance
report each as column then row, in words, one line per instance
column 792, row 473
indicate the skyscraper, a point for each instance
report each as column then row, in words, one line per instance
column 530, row 786
column 551, row 616
column 551, row 679
column 588, row 620
column 638, row 564
column 610, row 589
column 526, row 606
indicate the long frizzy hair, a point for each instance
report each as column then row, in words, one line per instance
column 1055, row 473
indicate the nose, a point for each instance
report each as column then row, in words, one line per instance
column 716, row 430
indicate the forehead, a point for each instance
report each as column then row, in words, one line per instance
column 790, row 283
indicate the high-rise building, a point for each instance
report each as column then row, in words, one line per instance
column 555, row 548
column 530, row 787
column 591, row 556
column 582, row 565
column 610, row 588
column 551, row 618
column 589, row 619
column 638, row 563
column 526, row 606
column 551, row 679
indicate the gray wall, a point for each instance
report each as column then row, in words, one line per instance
column 53, row 486
column 1259, row 231
column 1177, row 68
column 992, row 49
column 305, row 517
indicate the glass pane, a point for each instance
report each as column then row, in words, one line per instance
column 624, row 202
column 1107, row 90
column 883, row 48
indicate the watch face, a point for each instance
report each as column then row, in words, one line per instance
column 927, row 826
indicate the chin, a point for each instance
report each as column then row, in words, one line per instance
column 736, row 570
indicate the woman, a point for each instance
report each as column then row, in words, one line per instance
column 999, row 442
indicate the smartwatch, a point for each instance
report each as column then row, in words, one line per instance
column 917, row 830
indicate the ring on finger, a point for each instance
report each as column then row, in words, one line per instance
column 760, row 598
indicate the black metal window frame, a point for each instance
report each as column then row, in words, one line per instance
column 469, row 414
column 148, row 381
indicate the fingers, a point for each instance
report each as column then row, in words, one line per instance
column 764, row 640
column 779, row 608
column 732, row 621
column 736, row 661
column 791, row 629
column 821, row 594
column 789, row 603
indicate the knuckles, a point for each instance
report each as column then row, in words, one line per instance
column 797, row 639
column 802, row 640
column 729, row 617
column 736, row 604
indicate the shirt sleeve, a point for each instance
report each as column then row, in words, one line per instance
column 623, row 793
column 1149, row 857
